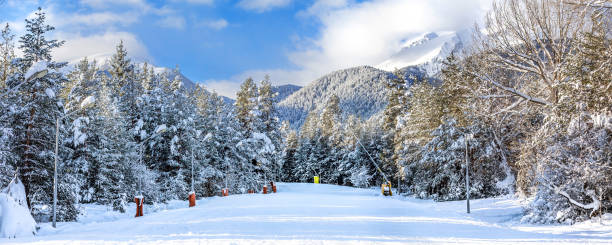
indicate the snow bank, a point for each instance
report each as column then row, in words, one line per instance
column 15, row 219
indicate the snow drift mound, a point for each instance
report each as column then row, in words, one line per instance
column 15, row 218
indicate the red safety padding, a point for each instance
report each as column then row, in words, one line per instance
column 139, row 206
column 192, row 199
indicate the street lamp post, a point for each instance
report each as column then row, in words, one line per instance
column 467, row 171
column 87, row 102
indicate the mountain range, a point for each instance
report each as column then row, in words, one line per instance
column 362, row 90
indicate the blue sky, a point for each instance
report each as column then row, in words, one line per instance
column 221, row 42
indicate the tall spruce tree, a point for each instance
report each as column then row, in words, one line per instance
column 34, row 122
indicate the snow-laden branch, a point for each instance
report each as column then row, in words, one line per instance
column 512, row 90
column 494, row 96
column 605, row 4
column 514, row 105
column 594, row 205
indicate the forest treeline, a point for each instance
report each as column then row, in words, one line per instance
column 529, row 103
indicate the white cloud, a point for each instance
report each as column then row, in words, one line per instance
column 215, row 24
column 175, row 22
column 99, row 46
column 261, row 6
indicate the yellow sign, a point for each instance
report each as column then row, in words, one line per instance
column 316, row 179
column 386, row 189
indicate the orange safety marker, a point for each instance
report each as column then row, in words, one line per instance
column 139, row 200
column 225, row 192
column 265, row 189
column 192, row 199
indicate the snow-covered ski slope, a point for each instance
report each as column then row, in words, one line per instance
column 320, row 214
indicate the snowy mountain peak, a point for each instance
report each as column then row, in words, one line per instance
column 427, row 51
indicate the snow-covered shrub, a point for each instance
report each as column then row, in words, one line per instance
column 15, row 217
column 361, row 177
column 574, row 171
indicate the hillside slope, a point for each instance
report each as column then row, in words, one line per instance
column 362, row 91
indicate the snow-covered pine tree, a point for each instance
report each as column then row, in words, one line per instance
column 181, row 134
column 82, row 82
column 34, row 45
column 269, row 125
column 7, row 69
column 34, row 121
column 115, row 159
column 212, row 151
column 303, row 171
column 245, row 104
column 288, row 156
column 147, row 78
column 125, row 87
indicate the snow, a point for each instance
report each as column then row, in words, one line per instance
column 161, row 128
column 36, row 67
column 268, row 147
column 15, row 218
column 50, row 93
column 88, row 101
column 318, row 214
column 78, row 136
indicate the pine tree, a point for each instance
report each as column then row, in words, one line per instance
column 34, row 44
column 288, row 156
column 114, row 157
column 7, row 54
column 245, row 103
column 82, row 83
column 7, row 69
column 213, row 155
column 34, row 122
column 267, row 120
column 125, row 87
column 181, row 134
column 394, row 109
